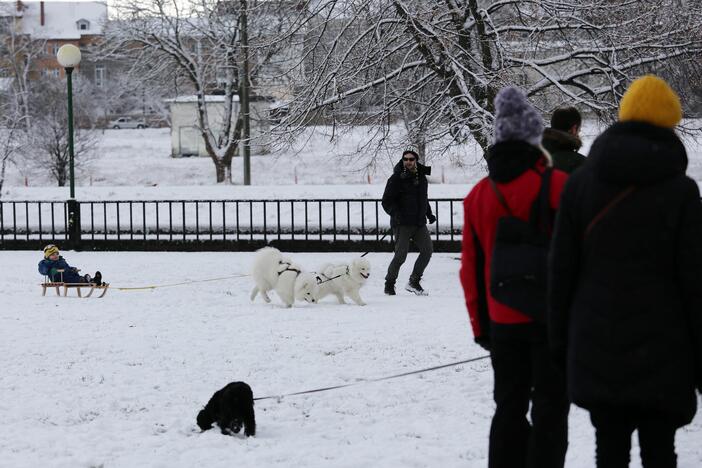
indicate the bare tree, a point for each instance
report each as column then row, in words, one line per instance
column 198, row 41
column 46, row 144
column 124, row 89
column 445, row 60
column 11, row 135
column 18, row 54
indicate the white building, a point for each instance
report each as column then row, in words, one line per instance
column 62, row 20
column 186, row 138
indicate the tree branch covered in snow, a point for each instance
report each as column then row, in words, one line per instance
column 446, row 59
column 11, row 135
column 45, row 148
column 18, row 56
column 198, row 42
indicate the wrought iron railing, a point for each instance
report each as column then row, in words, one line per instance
column 157, row 222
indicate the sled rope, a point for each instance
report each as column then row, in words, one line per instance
column 138, row 288
column 379, row 379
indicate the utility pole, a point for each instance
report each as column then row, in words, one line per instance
column 244, row 93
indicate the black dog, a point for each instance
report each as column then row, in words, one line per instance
column 231, row 408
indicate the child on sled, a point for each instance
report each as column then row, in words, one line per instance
column 53, row 262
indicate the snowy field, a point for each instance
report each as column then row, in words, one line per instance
column 136, row 165
column 117, row 382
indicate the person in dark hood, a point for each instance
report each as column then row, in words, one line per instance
column 562, row 140
column 625, row 315
column 406, row 201
column 523, row 370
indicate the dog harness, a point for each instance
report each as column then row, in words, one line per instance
column 288, row 267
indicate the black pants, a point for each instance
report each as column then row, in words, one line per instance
column 613, row 430
column 422, row 239
column 524, row 373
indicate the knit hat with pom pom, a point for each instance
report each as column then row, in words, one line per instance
column 515, row 118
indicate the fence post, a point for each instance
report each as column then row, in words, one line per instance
column 73, row 222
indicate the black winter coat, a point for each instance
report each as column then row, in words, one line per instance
column 564, row 149
column 405, row 198
column 626, row 300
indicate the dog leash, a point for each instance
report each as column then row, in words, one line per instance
column 384, row 236
column 319, row 280
column 137, row 288
column 404, row 374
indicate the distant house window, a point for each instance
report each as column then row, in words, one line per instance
column 83, row 24
column 100, row 75
column 50, row 73
column 52, row 48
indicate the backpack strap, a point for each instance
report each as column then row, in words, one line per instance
column 500, row 197
column 612, row 203
column 541, row 215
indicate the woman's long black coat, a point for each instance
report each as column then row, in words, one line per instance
column 626, row 300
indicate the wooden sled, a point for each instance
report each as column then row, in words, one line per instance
column 77, row 286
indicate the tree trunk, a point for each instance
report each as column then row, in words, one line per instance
column 2, row 174
column 61, row 175
column 224, row 170
column 418, row 140
column 219, row 168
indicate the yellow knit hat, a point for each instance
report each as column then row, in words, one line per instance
column 650, row 99
column 49, row 250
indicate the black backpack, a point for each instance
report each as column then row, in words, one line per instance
column 518, row 269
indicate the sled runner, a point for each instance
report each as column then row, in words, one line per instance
column 77, row 286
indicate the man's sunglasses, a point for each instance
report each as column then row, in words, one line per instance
column 408, row 159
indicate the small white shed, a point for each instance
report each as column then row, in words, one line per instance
column 186, row 139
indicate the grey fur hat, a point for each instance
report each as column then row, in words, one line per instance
column 515, row 118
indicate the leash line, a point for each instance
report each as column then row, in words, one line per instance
column 380, row 379
column 382, row 238
column 137, row 288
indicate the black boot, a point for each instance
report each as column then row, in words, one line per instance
column 389, row 288
column 414, row 287
column 97, row 279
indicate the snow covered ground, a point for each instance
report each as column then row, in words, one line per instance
column 136, row 165
column 117, row 382
column 141, row 158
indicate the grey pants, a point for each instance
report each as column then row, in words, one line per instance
column 422, row 239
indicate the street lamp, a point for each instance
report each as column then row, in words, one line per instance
column 68, row 57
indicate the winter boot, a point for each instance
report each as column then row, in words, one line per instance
column 389, row 288
column 87, row 278
column 97, row 279
column 413, row 286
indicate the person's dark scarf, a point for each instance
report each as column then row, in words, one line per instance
column 405, row 174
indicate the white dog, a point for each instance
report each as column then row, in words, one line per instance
column 346, row 279
column 272, row 271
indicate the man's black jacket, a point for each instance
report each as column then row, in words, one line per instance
column 405, row 198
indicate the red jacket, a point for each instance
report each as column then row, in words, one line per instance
column 481, row 211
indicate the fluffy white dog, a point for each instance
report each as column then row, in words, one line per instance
column 272, row 271
column 344, row 280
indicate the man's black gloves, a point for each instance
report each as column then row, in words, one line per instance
column 431, row 218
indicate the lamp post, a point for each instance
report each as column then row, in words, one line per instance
column 68, row 57
column 244, row 93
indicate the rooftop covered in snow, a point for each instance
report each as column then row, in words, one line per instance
column 63, row 20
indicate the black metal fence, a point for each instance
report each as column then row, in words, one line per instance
column 294, row 225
